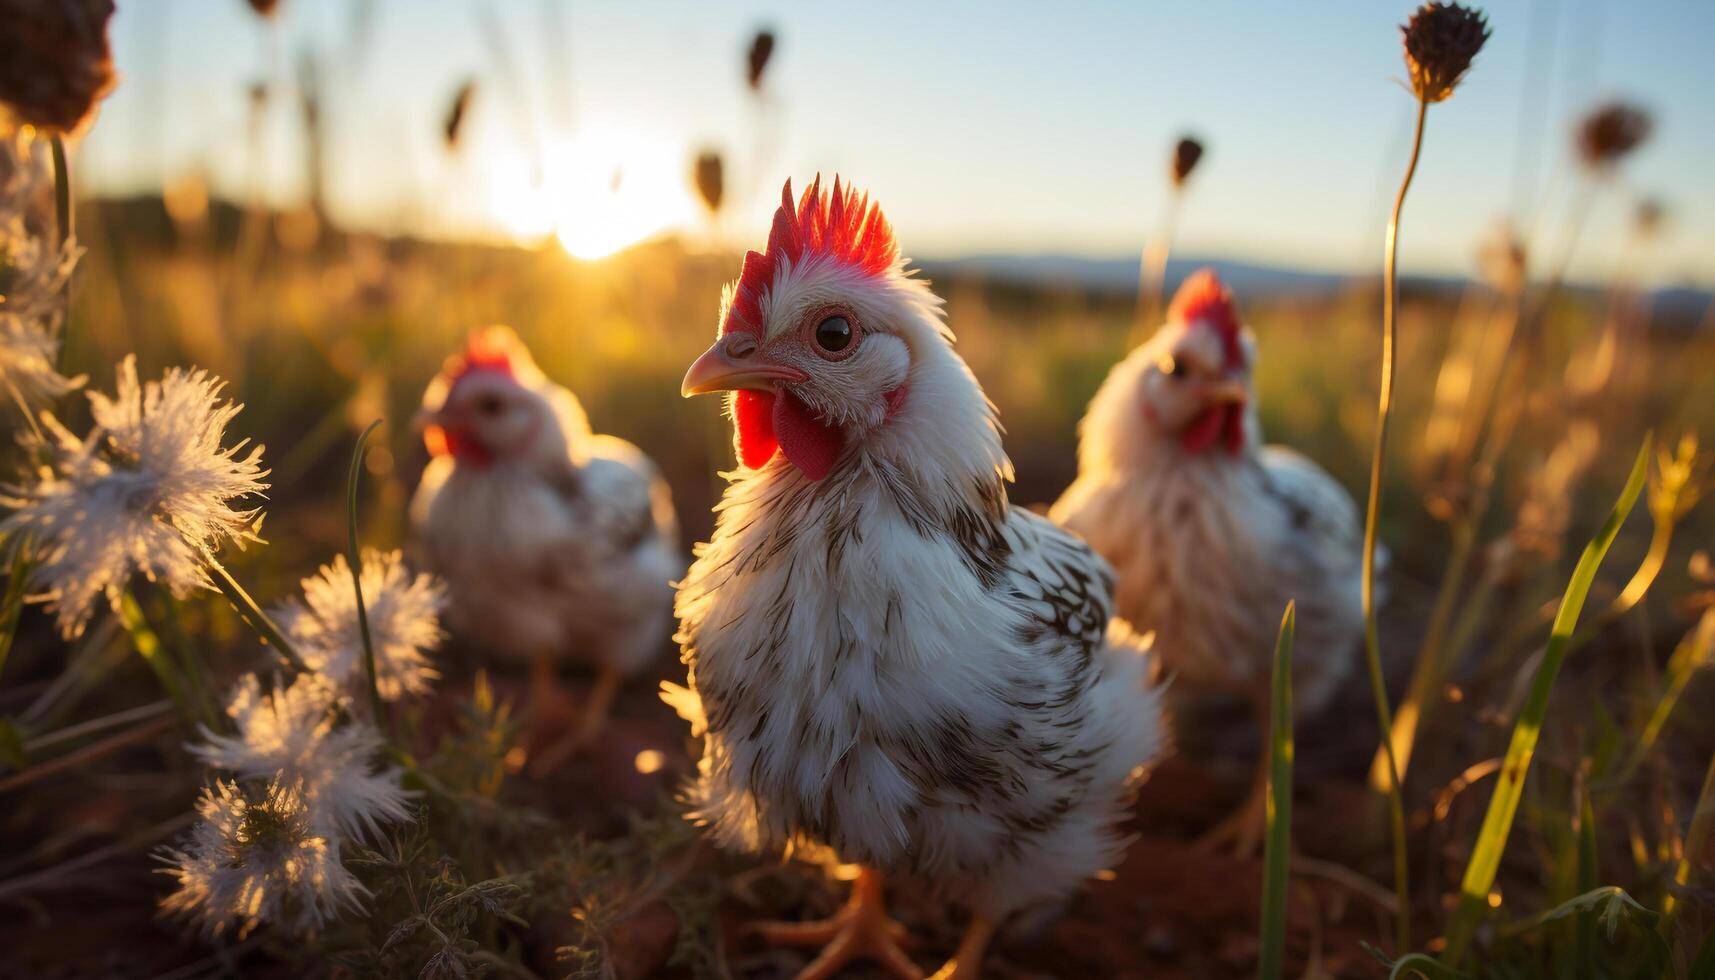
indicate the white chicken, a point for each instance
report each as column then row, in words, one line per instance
column 1209, row 531
column 556, row 544
column 886, row 659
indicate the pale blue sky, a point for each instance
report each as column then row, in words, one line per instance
column 991, row 127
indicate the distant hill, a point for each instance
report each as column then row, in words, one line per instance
column 1119, row 275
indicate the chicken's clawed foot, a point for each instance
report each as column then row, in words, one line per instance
column 553, row 709
column 860, row 930
column 1241, row 833
column 967, row 963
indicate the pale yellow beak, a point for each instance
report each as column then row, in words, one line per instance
column 1227, row 390
column 734, row 363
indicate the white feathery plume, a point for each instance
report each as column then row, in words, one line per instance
column 404, row 624
column 149, row 490
column 256, row 856
column 34, row 268
column 295, row 734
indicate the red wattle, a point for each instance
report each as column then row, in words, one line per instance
column 1204, row 429
column 1217, row 423
column 1234, row 430
column 809, row 443
column 753, row 418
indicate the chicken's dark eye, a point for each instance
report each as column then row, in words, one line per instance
column 834, row 334
column 488, row 405
column 1173, row 367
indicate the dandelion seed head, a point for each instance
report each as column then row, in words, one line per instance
column 149, row 490
column 34, row 268
column 296, row 734
column 404, row 624
column 1441, row 40
column 256, row 856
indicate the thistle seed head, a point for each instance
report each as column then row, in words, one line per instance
column 1611, row 131
column 1185, row 156
column 1441, row 39
column 54, row 60
column 457, row 112
column 710, row 184
column 756, row 61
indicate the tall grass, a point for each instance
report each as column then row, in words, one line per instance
column 1491, row 841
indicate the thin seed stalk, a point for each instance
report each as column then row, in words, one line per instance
column 1437, row 654
column 62, row 190
column 356, row 561
column 253, row 615
column 1152, row 275
column 1372, row 514
column 1495, row 431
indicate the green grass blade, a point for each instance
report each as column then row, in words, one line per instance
column 1703, row 967
column 1509, row 787
column 1584, row 942
column 1279, row 805
column 1696, row 842
column 356, row 559
column 1420, row 965
column 148, row 646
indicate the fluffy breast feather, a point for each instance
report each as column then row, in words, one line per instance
column 919, row 677
column 565, row 560
column 1209, row 551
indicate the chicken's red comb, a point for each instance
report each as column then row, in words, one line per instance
column 495, row 349
column 842, row 224
column 1203, row 298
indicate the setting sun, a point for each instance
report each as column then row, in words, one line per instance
column 598, row 191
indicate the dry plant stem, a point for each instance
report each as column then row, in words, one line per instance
column 1372, row 513
column 253, row 615
column 88, row 753
column 56, row 875
column 1691, row 654
column 1696, row 842
column 94, row 725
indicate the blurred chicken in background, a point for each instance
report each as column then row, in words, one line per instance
column 556, row 543
column 1210, row 532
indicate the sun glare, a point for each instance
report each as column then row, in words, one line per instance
column 600, row 190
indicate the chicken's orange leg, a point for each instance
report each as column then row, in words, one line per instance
column 861, row 930
column 967, row 963
column 1244, row 829
column 591, row 720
